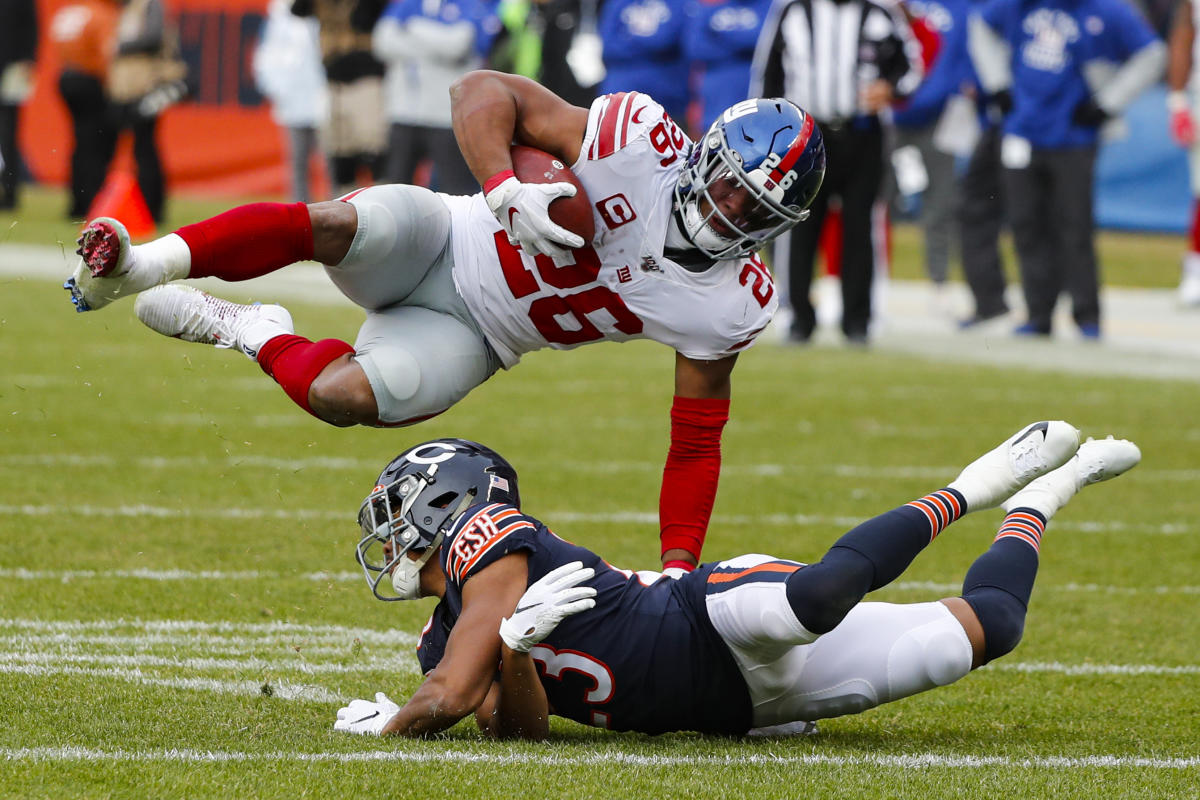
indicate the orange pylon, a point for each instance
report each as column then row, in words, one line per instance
column 121, row 198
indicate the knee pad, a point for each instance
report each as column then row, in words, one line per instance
column 1002, row 617
column 395, row 377
column 936, row 653
column 376, row 235
column 419, row 362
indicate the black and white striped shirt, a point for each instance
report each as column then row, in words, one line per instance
column 818, row 53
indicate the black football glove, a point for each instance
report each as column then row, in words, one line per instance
column 1089, row 115
column 999, row 104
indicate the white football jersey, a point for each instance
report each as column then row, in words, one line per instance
column 620, row 286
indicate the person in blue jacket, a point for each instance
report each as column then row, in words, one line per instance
column 719, row 38
column 1056, row 58
column 643, row 51
column 917, row 123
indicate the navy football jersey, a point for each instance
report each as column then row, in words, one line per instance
column 646, row 658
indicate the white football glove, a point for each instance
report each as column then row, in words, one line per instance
column 546, row 603
column 523, row 211
column 366, row 717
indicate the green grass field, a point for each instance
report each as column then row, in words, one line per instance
column 182, row 614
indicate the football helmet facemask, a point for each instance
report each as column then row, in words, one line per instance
column 770, row 151
column 416, row 499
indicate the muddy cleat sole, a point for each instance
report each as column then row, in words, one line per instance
column 103, row 245
column 1029, row 453
column 184, row 312
column 107, row 268
column 1095, row 461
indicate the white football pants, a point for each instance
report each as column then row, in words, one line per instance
column 420, row 348
column 879, row 653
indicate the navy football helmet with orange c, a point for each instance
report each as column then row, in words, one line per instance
column 417, row 498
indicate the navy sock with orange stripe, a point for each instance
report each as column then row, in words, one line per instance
column 868, row 557
column 1000, row 582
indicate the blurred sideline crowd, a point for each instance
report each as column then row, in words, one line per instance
column 969, row 116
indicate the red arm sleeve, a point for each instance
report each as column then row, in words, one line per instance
column 690, row 476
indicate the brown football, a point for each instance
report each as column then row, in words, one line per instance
column 573, row 213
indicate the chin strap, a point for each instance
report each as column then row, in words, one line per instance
column 690, row 476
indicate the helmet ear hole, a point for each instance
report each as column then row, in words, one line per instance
column 444, row 499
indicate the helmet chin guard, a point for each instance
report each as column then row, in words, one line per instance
column 417, row 498
column 766, row 153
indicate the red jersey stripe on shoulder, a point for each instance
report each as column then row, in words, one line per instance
column 610, row 118
column 628, row 116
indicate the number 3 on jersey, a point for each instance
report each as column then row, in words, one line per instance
column 549, row 311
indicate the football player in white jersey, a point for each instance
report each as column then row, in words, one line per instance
column 457, row 287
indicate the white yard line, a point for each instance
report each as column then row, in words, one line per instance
column 399, row 662
column 552, row 518
column 900, row 472
column 67, row 576
column 281, row 689
column 189, row 627
column 1059, row 668
column 425, row 754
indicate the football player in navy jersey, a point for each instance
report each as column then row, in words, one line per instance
column 529, row 625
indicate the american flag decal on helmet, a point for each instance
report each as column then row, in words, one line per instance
column 496, row 482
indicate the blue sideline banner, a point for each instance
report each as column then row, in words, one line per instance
column 1142, row 178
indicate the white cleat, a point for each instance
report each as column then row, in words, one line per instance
column 187, row 313
column 107, row 269
column 1029, row 453
column 1094, row 462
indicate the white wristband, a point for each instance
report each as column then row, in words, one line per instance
column 1177, row 100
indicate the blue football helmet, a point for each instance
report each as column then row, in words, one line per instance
column 770, row 148
column 417, row 498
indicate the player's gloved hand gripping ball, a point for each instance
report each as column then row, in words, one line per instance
column 366, row 717
column 550, row 600
column 540, row 204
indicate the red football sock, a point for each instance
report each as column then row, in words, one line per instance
column 249, row 241
column 295, row 362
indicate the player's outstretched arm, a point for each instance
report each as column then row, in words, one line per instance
column 689, row 486
column 459, row 684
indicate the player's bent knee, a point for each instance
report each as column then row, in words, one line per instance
column 923, row 658
column 342, row 395
column 334, row 225
column 1002, row 617
column 928, row 656
column 399, row 387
